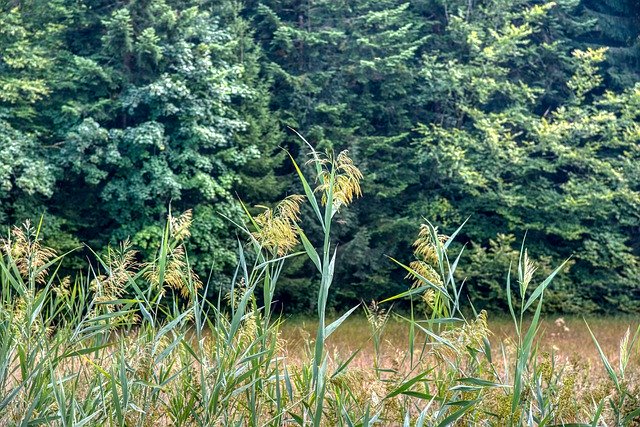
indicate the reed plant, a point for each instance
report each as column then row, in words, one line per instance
column 133, row 343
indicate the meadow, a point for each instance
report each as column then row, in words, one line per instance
column 567, row 337
column 459, row 245
column 134, row 343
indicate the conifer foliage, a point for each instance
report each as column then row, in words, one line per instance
column 616, row 25
column 519, row 114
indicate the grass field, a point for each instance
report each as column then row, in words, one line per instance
column 567, row 337
column 139, row 344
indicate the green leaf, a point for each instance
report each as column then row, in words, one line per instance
column 308, row 192
column 334, row 325
column 311, row 251
column 540, row 288
column 605, row 360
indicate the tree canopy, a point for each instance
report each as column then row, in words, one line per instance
column 521, row 115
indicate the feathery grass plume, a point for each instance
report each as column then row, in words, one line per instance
column 497, row 402
column 426, row 266
column 363, row 388
column 63, row 288
column 429, row 302
column 276, row 228
column 377, row 318
column 121, row 265
column 176, row 273
column 180, row 226
column 376, row 315
column 248, row 331
column 471, row 334
column 347, row 177
column 627, row 345
column 23, row 246
column 529, row 270
column 234, row 296
column 19, row 316
column 545, row 367
column 565, row 400
column 425, row 270
column 249, row 323
column 625, row 351
column 427, row 258
column 425, row 247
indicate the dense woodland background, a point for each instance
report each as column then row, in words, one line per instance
column 522, row 115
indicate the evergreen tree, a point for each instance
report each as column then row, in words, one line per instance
column 564, row 176
column 616, row 25
column 112, row 111
column 344, row 75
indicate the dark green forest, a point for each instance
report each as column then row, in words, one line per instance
column 517, row 116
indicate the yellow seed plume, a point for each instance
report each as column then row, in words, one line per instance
column 25, row 248
column 471, row 334
column 179, row 226
column 347, row 177
column 121, row 265
column 177, row 273
column 277, row 227
column 425, row 270
column 425, row 247
column 376, row 316
column 624, row 349
column 429, row 298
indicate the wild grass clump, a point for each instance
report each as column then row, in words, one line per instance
column 135, row 343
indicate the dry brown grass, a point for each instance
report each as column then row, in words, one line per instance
column 568, row 341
